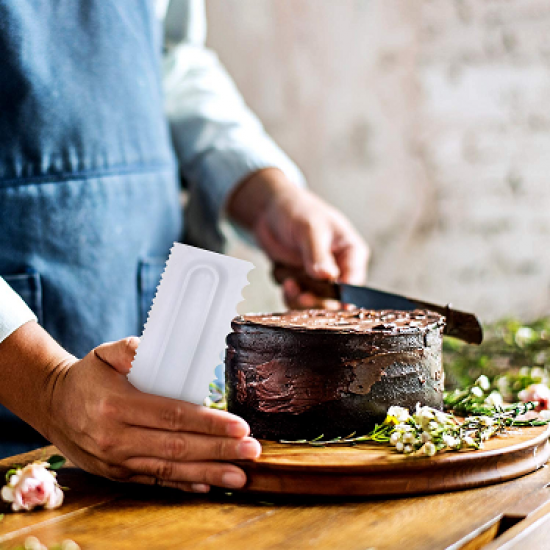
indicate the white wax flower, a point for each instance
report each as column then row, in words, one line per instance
column 395, row 438
column 424, row 415
column 477, row 391
column 525, row 335
column 426, row 437
column 538, row 374
column 399, row 413
column 524, row 371
column 494, row 399
column 429, row 448
column 483, row 383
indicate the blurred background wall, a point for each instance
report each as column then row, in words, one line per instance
column 426, row 122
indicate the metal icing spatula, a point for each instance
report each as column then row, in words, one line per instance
column 459, row 324
column 188, row 323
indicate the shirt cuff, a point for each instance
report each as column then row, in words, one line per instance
column 219, row 172
column 224, row 170
column 14, row 312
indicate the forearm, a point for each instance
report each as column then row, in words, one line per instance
column 31, row 362
column 253, row 195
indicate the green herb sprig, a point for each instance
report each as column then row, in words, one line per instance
column 380, row 434
column 428, row 431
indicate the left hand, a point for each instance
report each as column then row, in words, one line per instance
column 296, row 227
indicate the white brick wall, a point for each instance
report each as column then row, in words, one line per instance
column 427, row 122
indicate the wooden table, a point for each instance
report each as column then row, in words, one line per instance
column 99, row 514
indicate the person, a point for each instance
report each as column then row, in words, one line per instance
column 89, row 207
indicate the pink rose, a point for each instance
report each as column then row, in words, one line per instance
column 536, row 392
column 32, row 486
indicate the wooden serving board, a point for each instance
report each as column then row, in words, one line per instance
column 373, row 469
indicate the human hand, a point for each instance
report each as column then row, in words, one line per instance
column 108, row 427
column 297, row 228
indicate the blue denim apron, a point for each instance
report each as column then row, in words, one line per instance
column 88, row 185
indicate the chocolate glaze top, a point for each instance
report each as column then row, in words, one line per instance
column 355, row 321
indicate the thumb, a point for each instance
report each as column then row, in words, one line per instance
column 317, row 256
column 118, row 355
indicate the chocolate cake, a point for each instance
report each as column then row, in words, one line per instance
column 301, row 374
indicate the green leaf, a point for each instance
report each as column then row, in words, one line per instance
column 1, row 517
column 9, row 473
column 56, row 462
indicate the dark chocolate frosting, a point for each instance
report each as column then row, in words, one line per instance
column 357, row 320
column 303, row 373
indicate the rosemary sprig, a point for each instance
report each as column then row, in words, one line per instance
column 380, row 434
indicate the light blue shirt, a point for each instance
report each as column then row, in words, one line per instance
column 218, row 141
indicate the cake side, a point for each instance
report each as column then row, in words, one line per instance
column 303, row 374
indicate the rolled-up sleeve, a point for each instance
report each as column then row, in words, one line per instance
column 14, row 312
column 217, row 139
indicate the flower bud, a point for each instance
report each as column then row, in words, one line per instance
column 538, row 374
column 395, row 438
column 476, row 391
column 524, row 336
column 494, row 399
column 483, row 383
column 429, row 449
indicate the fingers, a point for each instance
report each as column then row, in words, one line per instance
column 296, row 299
column 118, row 355
column 196, row 477
column 162, row 413
column 187, row 447
column 182, row 486
column 186, row 475
column 334, row 250
column 352, row 260
column 291, row 293
column 189, row 462
column 316, row 248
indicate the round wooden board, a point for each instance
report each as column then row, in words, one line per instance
column 371, row 469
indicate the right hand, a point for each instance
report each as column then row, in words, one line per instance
column 108, row 427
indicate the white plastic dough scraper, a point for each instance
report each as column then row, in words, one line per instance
column 188, row 322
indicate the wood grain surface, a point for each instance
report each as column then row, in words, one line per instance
column 99, row 514
column 371, row 469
